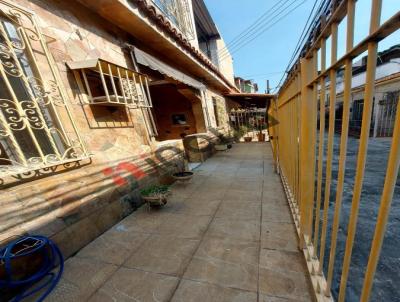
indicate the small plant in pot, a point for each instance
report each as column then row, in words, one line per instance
column 155, row 195
column 247, row 138
column 261, row 125
column 241, row 132
column 224, row 143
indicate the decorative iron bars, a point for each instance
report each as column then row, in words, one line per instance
column 106, row 84
column 37, row 129
column 110, row 85
column 297, row 146
column 385, row 116
column 179, row 13
column 252, row 119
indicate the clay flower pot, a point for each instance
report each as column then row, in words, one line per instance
column 184, row 176
column 261, row 137
column 248, row 139
column 155, row 195
column 221, row 147
column 159, row 200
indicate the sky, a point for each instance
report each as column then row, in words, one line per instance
column 267, row 56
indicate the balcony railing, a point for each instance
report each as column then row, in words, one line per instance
column 179, row 13
column 299, row 152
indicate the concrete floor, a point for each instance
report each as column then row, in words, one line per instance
column 227, row 237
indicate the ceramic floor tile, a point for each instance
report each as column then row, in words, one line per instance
column 229, row 250
column 193, row 291
column 223, row 273
column 114, row 246
column 81, row 278
column 276, row 214
column 128, row 285
column 205, row 245
column 239, row 210
column 163, row 254
column 282, row 260
column 279, row 236
column 184, row 226
column 235, row 229
column 285, row 284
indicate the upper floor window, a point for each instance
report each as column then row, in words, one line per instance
column 32, row 100
column 179, row 13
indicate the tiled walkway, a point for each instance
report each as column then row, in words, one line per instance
column 225, row 237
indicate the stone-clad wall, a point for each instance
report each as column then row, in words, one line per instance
column 77, row 202
column 221, row 108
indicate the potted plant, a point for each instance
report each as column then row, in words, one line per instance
column 247, row 138
column 240, row 132
column 261, row 136
column 224, row 143
column 155, row 195
column 261, row 126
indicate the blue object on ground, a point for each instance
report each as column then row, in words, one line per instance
column 41, row 275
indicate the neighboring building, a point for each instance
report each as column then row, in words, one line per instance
column 246, row 86
column 211, row 42
column 95, row 97
column 386, row 94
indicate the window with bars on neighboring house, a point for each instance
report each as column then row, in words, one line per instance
column 32, row 99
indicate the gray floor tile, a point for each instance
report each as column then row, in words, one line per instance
column 128, row 285
column 193, row 291
column 163, row 254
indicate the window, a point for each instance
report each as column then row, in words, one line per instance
column 178, row 12
column 108, row 84
column 179, row 119
column 31, row 100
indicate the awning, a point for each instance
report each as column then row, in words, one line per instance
column 155, row 64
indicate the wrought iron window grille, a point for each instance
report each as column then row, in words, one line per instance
column 37, row 128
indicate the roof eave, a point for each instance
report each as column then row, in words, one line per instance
column 143, row 22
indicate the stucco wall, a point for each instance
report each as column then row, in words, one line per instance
column 225, row 60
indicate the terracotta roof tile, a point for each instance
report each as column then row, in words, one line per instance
column 164, row 24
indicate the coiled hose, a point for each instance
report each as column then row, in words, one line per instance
column 29, row 265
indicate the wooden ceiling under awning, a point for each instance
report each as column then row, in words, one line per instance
column 259, row 100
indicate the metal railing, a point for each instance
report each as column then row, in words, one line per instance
column 297, row 145
column 179, row 13
column 32, row 100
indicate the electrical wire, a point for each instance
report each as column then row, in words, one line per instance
column 300, row 43
column 261, row 29
column 261, row 74
column 250, row 28
column 268, row 27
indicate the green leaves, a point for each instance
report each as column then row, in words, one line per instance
column 155, row 190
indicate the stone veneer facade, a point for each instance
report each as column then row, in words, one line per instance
column 75, row 203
